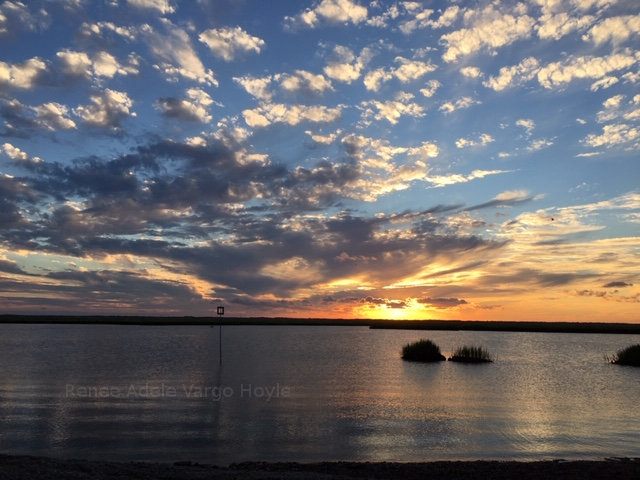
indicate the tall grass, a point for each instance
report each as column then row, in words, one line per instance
column 422, row 351
column 471, row 354
column 627, row 356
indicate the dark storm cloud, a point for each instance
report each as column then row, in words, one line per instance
column 617, row 285
column 18, row 120
column 123, row 286
column 13, row 194
column 138, row 190
column 373, row 300
column 396, row 304
column 354, row 229
column 463, row 268
column 103, row 291
column 536, row 277
column 23, row 121
column 9, row 266
column 154, row 200
column 442, row 302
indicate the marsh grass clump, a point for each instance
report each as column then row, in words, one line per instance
column 471, row 354
column 627, row 356
column 422, row 351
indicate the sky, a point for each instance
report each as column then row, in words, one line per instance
column 472, row 160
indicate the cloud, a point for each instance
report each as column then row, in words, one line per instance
column 553, row 226
column 16, row 16
column 194, row 109
column 304, row 81
column 23, row 76
column 13, row 192
column 526, row 123
column 379, row 153
column 344, row 66
column 299, row 81
column 617, row 285
column 177, row 56
column 106, row 110
column 430, row 88
column 453, row 178
column 614, row 108
column 14, row 153
column 611, row 108
column 441, row 302
column 471, row 72
column 324, row 139
column 375, row 78
column 256, row 86
column 514, row 75
column 603, row 83
column 227, row 42
column 329, row 11
column 462, row 102
column 483, row 140
column 613, row 29
column 102, row 64
column 614, row 134
column 488, row 28
column 9, row 266
column 539, row 144
column 101, row 29
column 392, row 110
column 424, row 151
column 422, row 18
column 162, row 6
column 382, row 20
column 21, row 118
column 272, row 254
column 505, row 199
column 407, row 71
column 270, row 113
column 558, row 73
column 559, row 24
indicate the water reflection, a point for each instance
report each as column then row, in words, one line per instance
column 310, row 394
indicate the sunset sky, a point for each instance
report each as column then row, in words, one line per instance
column 324, row 158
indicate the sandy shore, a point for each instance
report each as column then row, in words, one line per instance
column 26, row 467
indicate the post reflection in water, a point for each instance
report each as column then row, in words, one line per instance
column 310, row 394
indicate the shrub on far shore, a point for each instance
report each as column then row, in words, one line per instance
column 471, row 354
column 422, row 351
column 627, row 356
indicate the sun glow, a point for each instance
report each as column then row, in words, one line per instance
column 393, row 311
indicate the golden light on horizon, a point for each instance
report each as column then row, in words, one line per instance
column 393, row 310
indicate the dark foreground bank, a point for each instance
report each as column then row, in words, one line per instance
column 25, row 467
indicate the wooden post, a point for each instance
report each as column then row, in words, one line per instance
column 220, row 312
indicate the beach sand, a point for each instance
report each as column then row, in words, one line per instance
column 26, row 467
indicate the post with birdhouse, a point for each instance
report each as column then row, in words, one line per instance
column 220, row 312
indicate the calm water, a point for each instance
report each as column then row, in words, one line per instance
column 310, row 394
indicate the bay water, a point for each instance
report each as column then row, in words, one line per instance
column 310, row 393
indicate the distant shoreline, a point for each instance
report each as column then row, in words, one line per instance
column 20, row 467
column 493, row 326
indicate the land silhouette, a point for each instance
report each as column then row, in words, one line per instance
column 472, row 325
